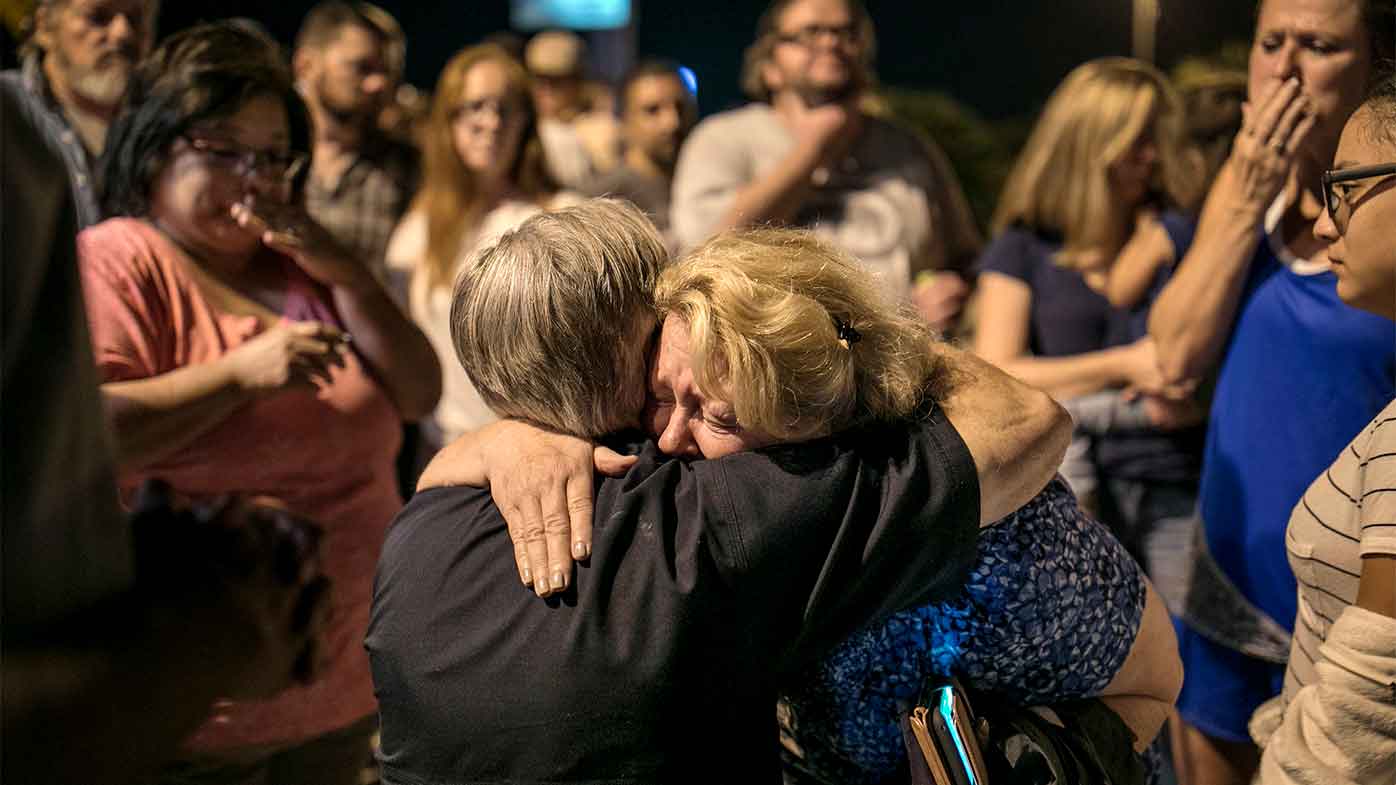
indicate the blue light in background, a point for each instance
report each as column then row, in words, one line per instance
column 690, row 80
column 572, row 14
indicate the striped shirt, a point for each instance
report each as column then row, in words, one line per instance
column 1347, row 513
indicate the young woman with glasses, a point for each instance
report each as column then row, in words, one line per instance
column 484, row 173
column 1335, row 722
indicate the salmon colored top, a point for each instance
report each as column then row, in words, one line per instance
column 327, row 453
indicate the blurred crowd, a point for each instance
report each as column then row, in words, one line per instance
column 253, row 292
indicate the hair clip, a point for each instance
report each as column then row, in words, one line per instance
column 847, row 335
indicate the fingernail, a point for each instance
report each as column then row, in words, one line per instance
column 541, row 585
column 579, row 550
column 558, row 581
column 527, row 575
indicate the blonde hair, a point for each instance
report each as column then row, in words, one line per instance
column 1061, row 181
column 547, row 320
column 763, row 309
column 449, row 196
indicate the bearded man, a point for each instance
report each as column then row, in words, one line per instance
column 348, row 61
column 75, row 65
column 809, row 152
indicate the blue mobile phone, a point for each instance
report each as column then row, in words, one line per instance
column 953, row 724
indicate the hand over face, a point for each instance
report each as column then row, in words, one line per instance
column 1271, row 137
column 288, row 229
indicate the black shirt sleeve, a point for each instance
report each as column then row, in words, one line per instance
column 833, row 535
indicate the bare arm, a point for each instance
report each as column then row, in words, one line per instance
column 1193, row 315
column 399, row 354
column 775, row 196
column 1002, row 339
column 1133, row 272
column 1145, row 688
column 155, row 417
column 397, row 351
column 1016, row 434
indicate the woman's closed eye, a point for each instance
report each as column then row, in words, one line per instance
column 722, row 422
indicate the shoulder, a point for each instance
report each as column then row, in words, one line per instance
column 748, row 116
column 1016, row 251
column 408, row 240
column 1382, row 432
column 735, row 127
column 895, row 137
column 437, row 521
column 618, row 181
column 123, row 249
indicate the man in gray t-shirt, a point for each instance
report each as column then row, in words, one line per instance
column 808, row 153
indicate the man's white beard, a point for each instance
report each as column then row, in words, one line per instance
column 104, row 87
column 103, row 84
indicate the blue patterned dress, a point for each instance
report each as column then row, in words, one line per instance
column 1049, row 612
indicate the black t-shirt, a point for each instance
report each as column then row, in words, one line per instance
column 708, row 581
column 1067, row 317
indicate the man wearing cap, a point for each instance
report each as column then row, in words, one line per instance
column 807, row 152
column 657, row 113
column 578, row 143
column 72, row 77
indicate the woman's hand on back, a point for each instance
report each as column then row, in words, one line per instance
column 542, row 483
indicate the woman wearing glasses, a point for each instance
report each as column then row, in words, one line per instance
column 221, row 318
column 1336, row 719
column 483, row 174
column 1298, row 372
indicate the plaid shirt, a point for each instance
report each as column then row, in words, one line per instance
column 363, row 207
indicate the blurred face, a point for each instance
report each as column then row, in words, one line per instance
column 487, row 127
column 1323, row 44
column 556, row 96
column 658, row 115
column 1131, row 175
column 1361, row 246
column 217, row 164
column 686, row 421
column 816, row 52
column 349, row 78
column 92, row 46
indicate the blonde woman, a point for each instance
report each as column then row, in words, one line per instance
column 772, row 336
column 1102, row 178
column 483, row 174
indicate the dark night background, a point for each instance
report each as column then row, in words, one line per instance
column 1000, row 57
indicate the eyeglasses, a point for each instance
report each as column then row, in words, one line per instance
column 1335, row 190
column 808, row 36
column 269, row 165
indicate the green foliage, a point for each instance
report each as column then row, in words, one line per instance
column 981, row 153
